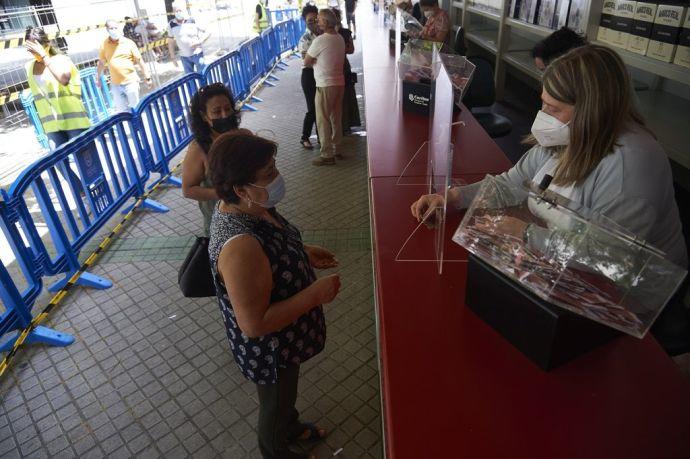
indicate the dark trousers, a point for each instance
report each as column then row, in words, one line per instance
column 278, row 417
column 55, row 140
column 309, row 89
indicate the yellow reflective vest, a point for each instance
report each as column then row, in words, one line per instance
column 59, row 107
column 263, row 21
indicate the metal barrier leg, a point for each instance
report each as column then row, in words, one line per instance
column 87, row 279
column 172, row 180
column 272, row 77
column 269, row 83
column 149, row 204
column 256, row 99
column 41, row 335
column 250, row 108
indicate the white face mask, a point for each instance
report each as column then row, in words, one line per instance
column 428, row 14
column 275, row 190
column 114, row 34
column 549, row 131
column 180, row 15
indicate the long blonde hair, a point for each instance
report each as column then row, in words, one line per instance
column 595, row 81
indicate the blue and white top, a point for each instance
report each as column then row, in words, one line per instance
column 260, row 358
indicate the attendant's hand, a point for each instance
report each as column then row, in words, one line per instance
column 425, row 205
column 321, row 258
column 326, row 288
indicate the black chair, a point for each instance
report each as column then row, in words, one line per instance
column 459, row 46
column 481, row 93
column 672, row 328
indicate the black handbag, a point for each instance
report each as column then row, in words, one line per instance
column 195, row 278
column 352, row 78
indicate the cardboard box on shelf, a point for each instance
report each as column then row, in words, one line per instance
column 622, row 23
column 664, row 36
column 642, row 27
column 683, row 50
column 605, row 30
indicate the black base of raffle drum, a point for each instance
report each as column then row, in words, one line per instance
column 546, row 334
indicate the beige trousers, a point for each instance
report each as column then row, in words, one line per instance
column 329, row 112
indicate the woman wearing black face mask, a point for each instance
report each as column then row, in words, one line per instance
column 212, row 113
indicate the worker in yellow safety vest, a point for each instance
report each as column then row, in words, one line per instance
column 260, row 17
column 55, row 84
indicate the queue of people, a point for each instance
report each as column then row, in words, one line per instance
column 327, row 82
column 268, row 294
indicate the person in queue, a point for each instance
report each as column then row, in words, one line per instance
column 350, row 110
column 350, row 6
column 592, row 140
column 189, row 37
column 122, row 57
column 268, row 293
column 437, row 26
column 55, row 84
column 327, row 56
column 309, row 14
column 212, row 113
column 555, row 45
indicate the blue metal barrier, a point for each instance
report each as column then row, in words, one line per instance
column 276, row 16
column 17, row 305
column 97, row 100
column 163, row 124
column 17, row 316
column 27, row 100
column 75, row 204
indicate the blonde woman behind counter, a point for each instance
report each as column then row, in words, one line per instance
column 590, row 138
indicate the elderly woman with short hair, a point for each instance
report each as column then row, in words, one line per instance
column 268, row 293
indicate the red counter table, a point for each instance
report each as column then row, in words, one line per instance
column 451, row 386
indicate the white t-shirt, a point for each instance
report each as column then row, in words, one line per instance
column 185, row 35
column 329, row 51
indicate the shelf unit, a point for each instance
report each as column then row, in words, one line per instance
column 510, row 41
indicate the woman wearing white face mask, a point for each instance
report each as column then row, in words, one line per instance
column 590, row 138
column 437, row 26
column 267, row 290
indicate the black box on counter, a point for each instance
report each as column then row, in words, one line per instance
column 416, row 97
column 546, row 334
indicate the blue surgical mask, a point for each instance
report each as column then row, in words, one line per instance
column 276, row 192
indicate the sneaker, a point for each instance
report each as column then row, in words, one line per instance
column 321, row 161
column 306, row 144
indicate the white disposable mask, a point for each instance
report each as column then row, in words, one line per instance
column 180, row 16
column 276, row 192
column 550, row 131
column 428, row 14
column 114, row 34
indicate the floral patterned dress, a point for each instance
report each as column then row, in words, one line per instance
column 260, row 358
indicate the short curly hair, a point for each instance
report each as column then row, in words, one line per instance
column 309, row 8
column 557, row 44
column 235, row 159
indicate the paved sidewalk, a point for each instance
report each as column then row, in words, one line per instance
column 151, row 374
